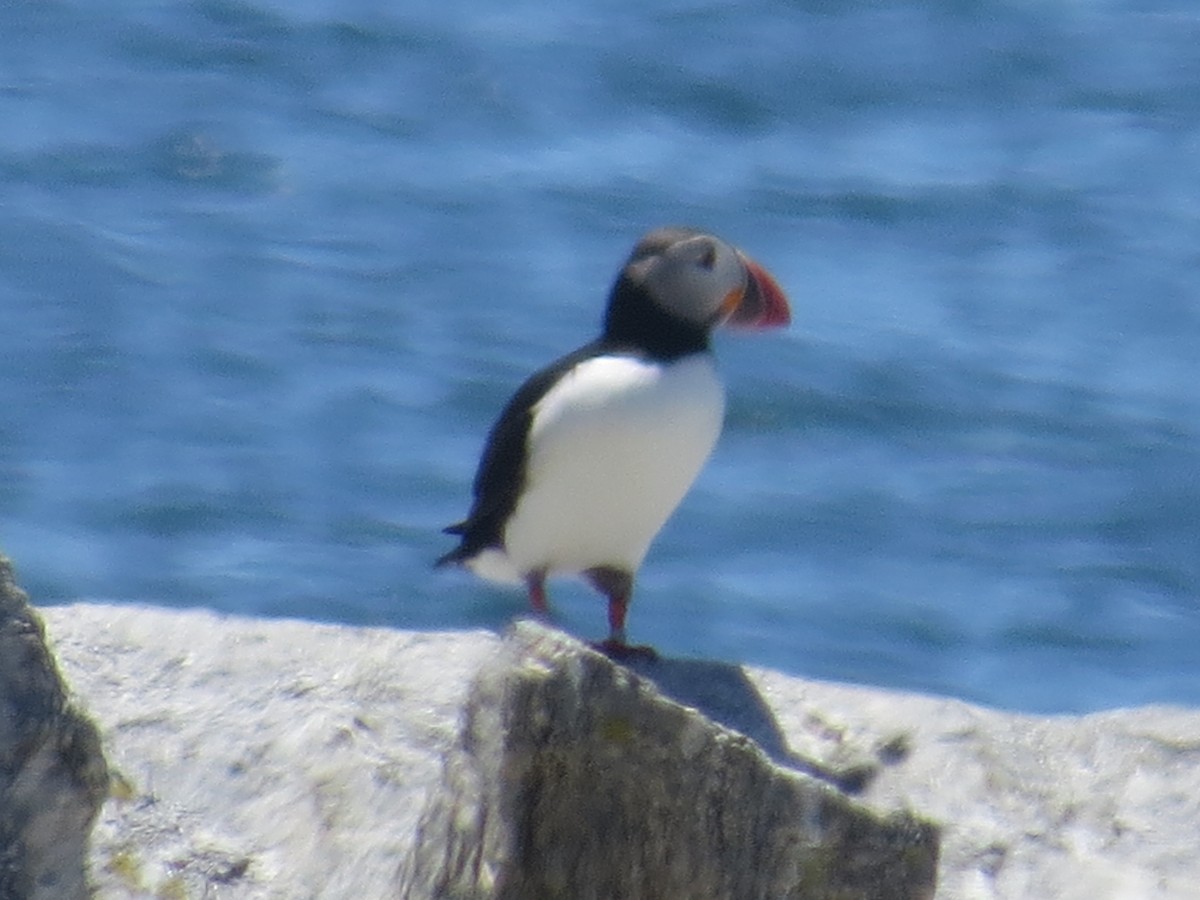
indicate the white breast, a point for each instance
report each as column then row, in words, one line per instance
column 614, row 446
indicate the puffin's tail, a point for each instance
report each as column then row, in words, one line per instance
column 459, row 554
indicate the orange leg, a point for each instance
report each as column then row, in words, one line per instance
column 536, row 583
column 617, row 586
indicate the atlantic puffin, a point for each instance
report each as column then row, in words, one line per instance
column 593, row 453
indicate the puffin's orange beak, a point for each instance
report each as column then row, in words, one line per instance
column 760, row 304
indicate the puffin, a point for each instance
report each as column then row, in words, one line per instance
column 593, row 453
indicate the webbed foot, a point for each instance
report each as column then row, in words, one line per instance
column 619, row 651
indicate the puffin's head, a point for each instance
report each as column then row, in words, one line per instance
column 700, row 279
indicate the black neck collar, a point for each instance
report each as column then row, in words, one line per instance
column 635, row 322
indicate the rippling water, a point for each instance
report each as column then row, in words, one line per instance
column 267, row 272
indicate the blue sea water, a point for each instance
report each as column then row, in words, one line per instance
column 269, row 269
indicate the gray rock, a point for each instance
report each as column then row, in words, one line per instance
column 577, row 779
column 53, row 776
column 268, row 759
column 1064, row 807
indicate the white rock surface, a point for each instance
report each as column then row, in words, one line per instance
column 264, row 759
column 280, row 759
column 1071, row 808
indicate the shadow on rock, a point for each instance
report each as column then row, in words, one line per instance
column 725, row 694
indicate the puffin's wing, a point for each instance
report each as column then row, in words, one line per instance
column 501, row 473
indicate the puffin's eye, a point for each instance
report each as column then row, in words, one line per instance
column 708, row 257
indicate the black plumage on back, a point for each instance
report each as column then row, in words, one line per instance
column 501, row 473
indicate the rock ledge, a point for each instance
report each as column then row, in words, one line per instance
column 280, row 759
column 575, row 778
